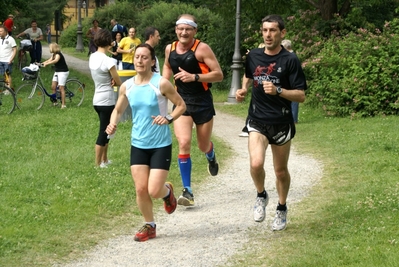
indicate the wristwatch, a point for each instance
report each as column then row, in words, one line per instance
column 196, row 77
column 169, row 118
column 279, row 90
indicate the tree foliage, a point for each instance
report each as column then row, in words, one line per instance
column 25, row 11
column 10, row 7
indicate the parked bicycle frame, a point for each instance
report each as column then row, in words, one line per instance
column 25, row 47
column 31, row 95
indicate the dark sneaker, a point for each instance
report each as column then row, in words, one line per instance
column 53, row 98
column 169, row 203
column 186, row 199
column 146, row 232
column 213, row 166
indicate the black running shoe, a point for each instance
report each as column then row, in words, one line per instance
column 186, row 199
column 213, row 166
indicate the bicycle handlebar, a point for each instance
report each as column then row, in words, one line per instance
column 39, row 64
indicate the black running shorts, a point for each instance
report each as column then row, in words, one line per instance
column 156, row 158
column 277, row 134
column 200, row 108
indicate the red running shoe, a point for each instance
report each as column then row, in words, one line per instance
column 170, row 203
column 146, row 232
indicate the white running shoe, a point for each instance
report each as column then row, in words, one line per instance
column 280, row 220
column 108, row 162
column 260, row 208
column 103, row 165
column 243, row 134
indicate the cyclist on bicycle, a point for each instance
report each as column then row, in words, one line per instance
column 8, row 50
column 61, row 72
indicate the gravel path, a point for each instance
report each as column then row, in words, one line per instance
column 216, row 228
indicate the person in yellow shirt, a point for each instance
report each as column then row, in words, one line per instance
column 127, row 47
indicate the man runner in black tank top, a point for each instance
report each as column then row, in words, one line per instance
column 194, row 67
column 277, row 79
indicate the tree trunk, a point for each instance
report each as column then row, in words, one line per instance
column 328, row 8
column 346, row 7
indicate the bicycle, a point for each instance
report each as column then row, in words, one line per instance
column 7, row 96
column 25, row 47
column 32, row 94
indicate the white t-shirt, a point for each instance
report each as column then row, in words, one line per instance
column 6, row 46
column 157, row 68
column 34, row 35
column 100, row 64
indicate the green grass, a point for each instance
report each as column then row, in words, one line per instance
column 54, row 203
column 351, row 216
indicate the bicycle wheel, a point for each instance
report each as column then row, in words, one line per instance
column 29, row 97
column 7, row 99
column 74, row 92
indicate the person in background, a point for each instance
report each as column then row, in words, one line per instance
column 152, row 38
column 48, row 32
column 90, row 34
column 194, row 67
column 8, row 50
column 9, row 24
column 127, row 46
column 36, row 35
column 113, row 50
column 61, row 72
column 277, row 79
column 105, row 76
column 116, row 27
column 294, row 105
column 148, row 94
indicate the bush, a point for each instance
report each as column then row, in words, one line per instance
column 124, row 12
column 68, row 37
column 357, row 74
column 351, row 71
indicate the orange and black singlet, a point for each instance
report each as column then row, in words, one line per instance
column 189, row 63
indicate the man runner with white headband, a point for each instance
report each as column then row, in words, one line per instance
column 194, row 67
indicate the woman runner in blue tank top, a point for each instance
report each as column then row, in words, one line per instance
column 151, row 141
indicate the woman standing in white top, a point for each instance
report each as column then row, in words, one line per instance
column 35, row 35
column 105, row 76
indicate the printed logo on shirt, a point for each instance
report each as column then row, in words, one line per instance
column 263, row 73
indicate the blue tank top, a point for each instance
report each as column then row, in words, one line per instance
column 146, row 100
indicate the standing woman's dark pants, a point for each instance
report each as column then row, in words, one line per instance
column 36, row 52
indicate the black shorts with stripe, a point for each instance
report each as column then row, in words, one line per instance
column 277, row 134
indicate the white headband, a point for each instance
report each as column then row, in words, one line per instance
column 186, row 21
